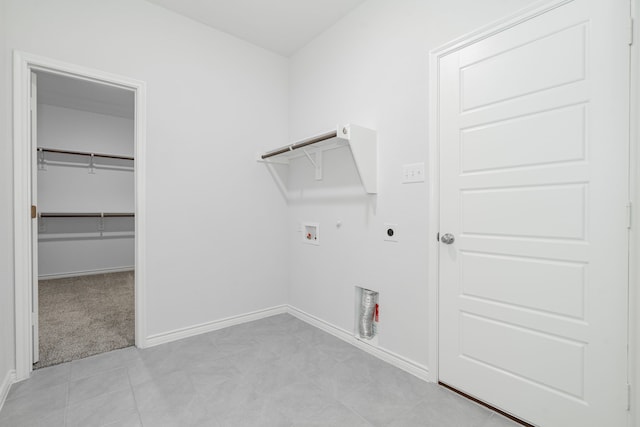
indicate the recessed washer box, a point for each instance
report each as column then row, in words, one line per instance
column 311, row 233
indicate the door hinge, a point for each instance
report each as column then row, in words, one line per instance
column 628, row 397
column 629, row 215
column 631, row 31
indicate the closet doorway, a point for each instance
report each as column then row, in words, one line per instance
column 78, row 144
column 83, row 134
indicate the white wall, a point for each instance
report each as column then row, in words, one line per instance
column 214, row 218
column 371, row 69
column 72, row 129
column 7, row 342
column 69, row 246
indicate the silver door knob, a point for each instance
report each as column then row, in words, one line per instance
column 447, row 239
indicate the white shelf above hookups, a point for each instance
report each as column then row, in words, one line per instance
column 362, row 142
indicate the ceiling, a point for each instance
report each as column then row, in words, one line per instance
column 68, row 92
column 282, row 26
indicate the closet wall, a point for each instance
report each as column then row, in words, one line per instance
column 66, row 183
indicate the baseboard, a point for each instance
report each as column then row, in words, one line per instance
column 390, row 357
column 202, row 328
column 5, row 386
column 85, row 273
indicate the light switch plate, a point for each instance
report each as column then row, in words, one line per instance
column 413, row 172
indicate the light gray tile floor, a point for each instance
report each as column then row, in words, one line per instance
column 277, row 371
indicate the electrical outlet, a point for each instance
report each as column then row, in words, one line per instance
column 391, row 232
column 413, row 172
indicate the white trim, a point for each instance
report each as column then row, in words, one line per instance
column 21, row 216
column 634, row 250
column 390, row 357
column 530, row 12
column 140, row 220
column 525, row 14
column 23, row 63
column 85, row 273
column 203, row 328
column 5, row 386
column 433, row 225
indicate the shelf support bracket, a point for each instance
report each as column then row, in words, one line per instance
column 42, row 163
column 317, row 163
column 42, row 225
column 101, row 223
column 92, row 168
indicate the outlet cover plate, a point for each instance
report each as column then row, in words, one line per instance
column 391, row 232
column 413, row 172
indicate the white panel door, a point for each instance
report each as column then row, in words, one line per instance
column 533, row 137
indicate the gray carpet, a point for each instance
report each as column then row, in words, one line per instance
column 82, row 316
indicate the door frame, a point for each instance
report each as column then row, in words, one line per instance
column 23, row 64
column 634, row 188
column 435, row 56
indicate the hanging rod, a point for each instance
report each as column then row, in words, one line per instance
column 85, row 214
column 84, row 153
column 300, row 144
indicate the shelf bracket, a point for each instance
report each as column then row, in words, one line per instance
column 92, row 168
column 306, row 153
column 42, row 163
column 101, row 223
column 316, row 163
column 42, row 224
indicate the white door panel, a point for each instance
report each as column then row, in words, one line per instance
column 553, row 69
column 533, row 137
column 525, row 282
column 541, row 212
column 547, row 138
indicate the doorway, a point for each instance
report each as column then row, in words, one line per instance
column 532, row 188
column 77, row 236
column 83, row 187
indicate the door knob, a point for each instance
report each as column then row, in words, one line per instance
column 447, row 239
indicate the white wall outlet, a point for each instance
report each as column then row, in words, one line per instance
column 413, row 172
column 391, row 232
column 311, row 233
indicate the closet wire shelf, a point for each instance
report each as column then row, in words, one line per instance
column 101, row 217
column 85, row 214
column 84, row 153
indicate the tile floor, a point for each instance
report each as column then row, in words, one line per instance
column 277, row 371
